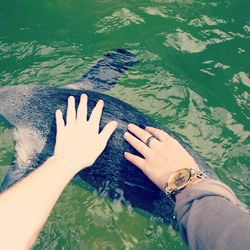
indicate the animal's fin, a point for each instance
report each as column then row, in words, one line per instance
column 106, row 72
column 28, row 145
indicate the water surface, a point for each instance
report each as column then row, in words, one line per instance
column 193, row 77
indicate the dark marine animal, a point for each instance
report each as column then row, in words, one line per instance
column 30, row 111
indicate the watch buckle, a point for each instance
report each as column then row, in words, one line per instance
column 168, row 190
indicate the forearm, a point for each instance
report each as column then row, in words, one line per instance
column 204, row 214
column 208, row 219
column 25, row 207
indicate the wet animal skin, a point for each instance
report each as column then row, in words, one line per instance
column 30, row 111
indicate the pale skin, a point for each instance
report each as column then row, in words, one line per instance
column 162, row 156
column 25, row 207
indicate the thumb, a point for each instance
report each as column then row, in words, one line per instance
column 59, row 131
column 108, row 130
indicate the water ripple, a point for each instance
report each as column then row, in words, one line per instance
column 119, row 19
column 206, row 20
column 185, row 42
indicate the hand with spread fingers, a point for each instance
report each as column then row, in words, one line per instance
column 78, row 142
column 162, row 153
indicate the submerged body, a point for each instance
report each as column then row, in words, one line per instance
column 30, row 110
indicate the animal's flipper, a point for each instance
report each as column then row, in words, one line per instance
column 106, row 72
column 28, row 144
column 19, row 106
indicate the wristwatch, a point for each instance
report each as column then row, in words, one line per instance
column 179, row 179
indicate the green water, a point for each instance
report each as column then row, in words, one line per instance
column 193, row 77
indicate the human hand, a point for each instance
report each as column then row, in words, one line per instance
column 163, row 156
column 78, row 142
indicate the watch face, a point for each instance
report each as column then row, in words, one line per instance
column 179, row 178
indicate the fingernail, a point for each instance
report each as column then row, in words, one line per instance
column 83, row 96
column 125, row 135
column 130, row 125
column 101, row 102
column 115, row 123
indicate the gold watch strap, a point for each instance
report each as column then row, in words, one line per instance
column 195, row 175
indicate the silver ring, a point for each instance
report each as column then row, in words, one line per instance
column 149, row 140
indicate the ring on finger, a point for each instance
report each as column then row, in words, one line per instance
column 149, row 140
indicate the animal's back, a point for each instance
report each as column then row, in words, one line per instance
column 34, row 113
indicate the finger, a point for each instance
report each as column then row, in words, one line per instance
column 96, row 114
column 59, row 121
column 108, row 130
column 136, row 160
column 142, row 134
column 71, row 111
column 137, row 144
column 82, row 109
column 158, row 133
column 59, row 129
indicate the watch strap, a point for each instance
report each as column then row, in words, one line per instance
column 194, row 174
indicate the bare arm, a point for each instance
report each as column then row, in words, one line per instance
column 25, row 207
